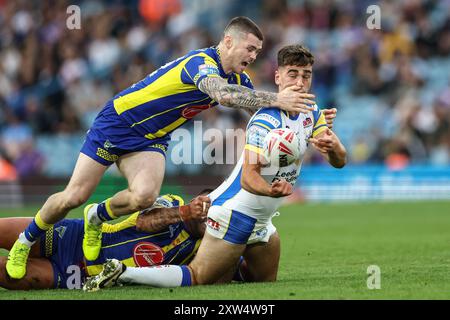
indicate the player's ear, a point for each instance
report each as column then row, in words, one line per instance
column 277, row 77
column 228, row 40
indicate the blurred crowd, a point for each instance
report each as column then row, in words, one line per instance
column 390, row 85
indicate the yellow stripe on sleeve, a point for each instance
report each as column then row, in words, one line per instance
column 320, row 126
column 254, row 149
column 262, row 125
column 168, row 84
column 171, row 197
column 166, row 111
column 127, row 223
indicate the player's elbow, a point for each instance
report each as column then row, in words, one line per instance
column 340, row 162
column 339, row 165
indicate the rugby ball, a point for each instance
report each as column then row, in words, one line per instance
column 281, row 147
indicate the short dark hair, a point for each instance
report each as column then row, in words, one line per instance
column 245, row 25
column 295, row 55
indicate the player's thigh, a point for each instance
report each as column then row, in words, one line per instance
column 144, row 170
column 10, row 228
column 39, row 275
column 262, row 260
column 214, row 258
column 86, row 175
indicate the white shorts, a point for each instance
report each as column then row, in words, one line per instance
column 236, row 227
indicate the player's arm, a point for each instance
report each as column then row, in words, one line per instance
column 331, row 148
column 157, row 219
column 192, row 214
column 253, row 182
column 241, row 97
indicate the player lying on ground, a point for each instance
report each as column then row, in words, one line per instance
column 240, row 218
column 134, row 128
column 158, row 235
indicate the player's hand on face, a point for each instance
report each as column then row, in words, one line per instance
column 291, row 99
column 326, row 143
column 280, row 188
column 199, row 207
column 329, row 114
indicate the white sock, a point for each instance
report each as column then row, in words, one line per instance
column 93, row 216
column 164, row 276
column 25, row 241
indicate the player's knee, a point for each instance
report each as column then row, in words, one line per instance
column 73, row 199
column 5, row 281
column 199, row 276
column 143, row 199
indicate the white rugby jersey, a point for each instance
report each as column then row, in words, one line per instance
column 232, row 196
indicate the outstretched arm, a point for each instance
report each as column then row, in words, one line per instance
column 331, row 148
column 241, row 97
column 193, row 216
column 157, row 219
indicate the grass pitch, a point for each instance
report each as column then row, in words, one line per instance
column 326, row 250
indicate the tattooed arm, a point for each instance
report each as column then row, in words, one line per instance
column 240, row 97
column 193, row 215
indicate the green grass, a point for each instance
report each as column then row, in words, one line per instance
column 326, row 249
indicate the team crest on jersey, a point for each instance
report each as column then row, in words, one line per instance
column 191, row 112
column 307, row 122
column 256, row 135
column 107, row 145
column 61, row 230
column 146, row 254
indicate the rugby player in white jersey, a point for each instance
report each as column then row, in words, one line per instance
column 240, row 217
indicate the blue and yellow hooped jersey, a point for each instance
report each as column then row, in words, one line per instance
column 122, row 241
column 168, row 97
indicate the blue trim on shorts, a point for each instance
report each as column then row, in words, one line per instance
column 159, row 150
column 240, row 228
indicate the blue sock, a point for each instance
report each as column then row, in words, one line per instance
column 36, row 228
column 187, row 279
column 102, row 212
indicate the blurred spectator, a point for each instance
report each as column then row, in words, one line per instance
column 30, row 161
column 395, row 81
column 7, row 170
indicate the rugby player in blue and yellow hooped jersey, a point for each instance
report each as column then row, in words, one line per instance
column 168, row 233
column 133, row 130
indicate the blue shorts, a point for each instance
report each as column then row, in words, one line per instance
column 111, row 137
column 63, row 247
